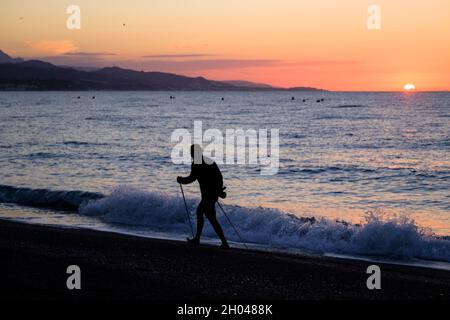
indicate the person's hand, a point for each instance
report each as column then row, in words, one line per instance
column 179, row 179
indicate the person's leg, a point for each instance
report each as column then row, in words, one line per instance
column 211, row 215
column 200, row 222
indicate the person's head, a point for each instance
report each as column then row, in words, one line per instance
column 196, row 153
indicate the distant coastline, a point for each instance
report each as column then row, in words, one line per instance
column 35, row 75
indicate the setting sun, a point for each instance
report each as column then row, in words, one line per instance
column 409, row 87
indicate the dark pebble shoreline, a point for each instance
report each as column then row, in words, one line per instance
column 34, row 260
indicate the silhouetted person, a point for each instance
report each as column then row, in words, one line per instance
column 208, row 175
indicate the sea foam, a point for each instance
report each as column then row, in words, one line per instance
column 380, row 235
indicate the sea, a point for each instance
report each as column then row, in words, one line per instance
column 361, row 174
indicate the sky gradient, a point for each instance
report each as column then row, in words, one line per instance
column 285, row 43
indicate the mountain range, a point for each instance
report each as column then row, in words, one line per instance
column 19, row 74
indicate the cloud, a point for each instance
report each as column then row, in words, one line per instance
column 204, row 64
column 176, row 66
column 181, row 55
column 183, row 63
column 313, row 63
column 55, row 47
column 91, row 61
column 195, row 65
column 75, row 53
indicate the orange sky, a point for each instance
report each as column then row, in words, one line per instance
column 317, row 43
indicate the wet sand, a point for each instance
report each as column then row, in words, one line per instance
column 34, row 261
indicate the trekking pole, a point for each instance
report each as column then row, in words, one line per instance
column 235, row 230
column 187, row 212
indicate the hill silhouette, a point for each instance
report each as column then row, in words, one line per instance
column 17, row 74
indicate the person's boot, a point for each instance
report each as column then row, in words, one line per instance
column 224, row 245
column 194, row 241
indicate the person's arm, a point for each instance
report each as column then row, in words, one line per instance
column 189, row 179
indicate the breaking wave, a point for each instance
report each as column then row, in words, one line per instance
column 45, row 198
column 397, row 237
